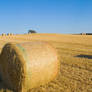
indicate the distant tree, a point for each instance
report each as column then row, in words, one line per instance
column 31, row 31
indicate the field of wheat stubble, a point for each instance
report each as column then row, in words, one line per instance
column 75, row 54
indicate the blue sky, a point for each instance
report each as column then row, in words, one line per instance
column 46, row 16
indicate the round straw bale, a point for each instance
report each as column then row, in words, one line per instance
column 28, row 65
column 3, row 34
column 10, row 34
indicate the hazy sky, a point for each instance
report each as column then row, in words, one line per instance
column 46, row 16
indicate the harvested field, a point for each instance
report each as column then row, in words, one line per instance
column 75, row 52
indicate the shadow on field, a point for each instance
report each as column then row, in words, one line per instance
column 84, row 56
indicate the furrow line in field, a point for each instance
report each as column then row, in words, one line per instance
column 70, row 78
column 74, row 85
column 78, row 74
column 74, row 66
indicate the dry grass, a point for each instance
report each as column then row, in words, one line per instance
column 76, row 61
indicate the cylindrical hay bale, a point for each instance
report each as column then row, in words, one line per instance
column 3, row 34
column 9, row 34
column 28, row 65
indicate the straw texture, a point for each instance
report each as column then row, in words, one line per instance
column 28, row 65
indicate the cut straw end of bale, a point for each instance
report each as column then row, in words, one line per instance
column 28, row 65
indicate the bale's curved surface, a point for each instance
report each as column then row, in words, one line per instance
column 28, row 65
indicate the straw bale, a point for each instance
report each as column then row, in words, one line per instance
column 3, row 34
column 10, row 34
column 28, row 65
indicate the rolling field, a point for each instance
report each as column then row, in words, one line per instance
column 75, row 54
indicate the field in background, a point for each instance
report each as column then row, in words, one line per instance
column 75, row 53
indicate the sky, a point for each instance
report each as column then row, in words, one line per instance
column 46, row 16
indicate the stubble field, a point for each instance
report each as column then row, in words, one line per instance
column 75, row 54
